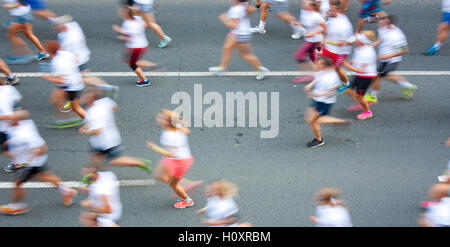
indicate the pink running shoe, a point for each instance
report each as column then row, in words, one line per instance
column 303, row 79
column 427, row 204
column 183, row 204
column 358, row 107
column 365, row 115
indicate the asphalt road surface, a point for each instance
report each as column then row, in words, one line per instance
column 384, row 165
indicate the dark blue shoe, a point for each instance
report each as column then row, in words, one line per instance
column 343, row 88
column 143, row 83
column 433, row 50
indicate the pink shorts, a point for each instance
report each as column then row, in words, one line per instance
column 338, row 59
column 306, row 49
column 177, row 167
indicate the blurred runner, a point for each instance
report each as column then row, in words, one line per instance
column 132, row 32
column 21, row 53
column 40, row 9
column 237, row 20
column 443, row 29
column 71, row 38
column 323, row 93
column 330, row 209
column 392, row 45
column 370, row 11
column 177, row 159
column 324, row 7
column 280, row 9
column 314, row 25
column 26, row 146
column 11, row 79
column 103, row 207
column 438, row 214
column 104, row 135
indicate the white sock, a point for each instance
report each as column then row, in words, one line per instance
column 62, row 189
column 347, row 83
column 188, row 199
column 11, row 76
column 51, row 19
column 405, row 84
column 262, row 25
column 438, row 45
column 374, row 93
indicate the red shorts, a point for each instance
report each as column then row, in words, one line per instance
column 338, row 59
column 132, row 55
column 177, row 167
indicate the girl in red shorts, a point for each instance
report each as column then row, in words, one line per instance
column 177, row 158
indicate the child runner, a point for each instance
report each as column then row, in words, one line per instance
column 177, row 156
column 330, row 210
column 438, row 214
column 146, row 7
column 392, row 45
column 323, row 93
column 132, row 32
column 239, row 37
column 364, row 63
column 22, row 54
column 11, row 79
column 370, row 12
column 27, row 146
column 442, row 31
column 315, row 25
column 103, row 207
column 104, row 135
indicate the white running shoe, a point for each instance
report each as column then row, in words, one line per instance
column 261, row 73
column 217, row 70
column 257, row 30
column 299, row 32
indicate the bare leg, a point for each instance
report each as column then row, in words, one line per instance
column 18, row 193
column 151, row 22
column 88, row 219
column 286, row 17
column 4, row 68
column 342, row 75
column 311, row 117
column 177, row 188
column 264, row 12
column 140, row 73
column 360, row 98
column 75, row 103
column 28, row 32
column 18, row 45
column 246, row 53
column 126, row 161
column 161, row 173
column 227, row 49
column 44, row 14
column 443, row 32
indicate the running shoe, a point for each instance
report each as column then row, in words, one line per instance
column 65, row 124
column 303, row 79
column 183, row 204
column 343, row 88
column 433, row 50
column 369, row 98
column 165, row 42
column 427, row 204
column 12, row 81
column 217, row 70
column 143, row 83
column 146, row 166
column 261, row 73
column 365, row 115
column 315, row 143
column 111, row 91
column 257, row 30
column 299, row 32
column 68, row 196
column 66, row 107
column 11, row 167
column 14, row 209
column 87, row 180
column 408, row 92
column 191, row 187
column 358, row 107
column 42, row 55
column 19, row 60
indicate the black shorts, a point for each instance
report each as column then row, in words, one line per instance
column 71, row 95
column 321, row 108
column 110, row 153
column 25, row 174
column 83, row 66
column 3, row 138
column 361, row 84
column 385, row 68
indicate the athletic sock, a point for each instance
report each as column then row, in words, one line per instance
column 262, row 25
column 438, row 45
column 347, row 83
column 405, row 84
column 188, row 200
column 374, row 94
column 11, row 76
column 51, row 19
column 62, row 189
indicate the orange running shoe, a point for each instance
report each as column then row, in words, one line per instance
column 68, row 196
column 184, row 204
column 12, row 210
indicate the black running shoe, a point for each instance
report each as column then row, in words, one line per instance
column 315, row 143
column 10, row 168
column 13, row 81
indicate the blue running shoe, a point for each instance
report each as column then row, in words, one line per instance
column 143, row 83
column 165, row 42
column 343, row 88
column 433, row 50
column 41, row 56
column 19, row 60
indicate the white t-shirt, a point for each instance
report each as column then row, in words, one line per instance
column 333, row 216
column 365, row 58
column 446, row 6
column 107, row 184
column 325, row 81
column 144, row 1
column 177, row 143
column 239, row 11
column 219, row 209
column 23, row 138
column 439, row 214
column 136, row 31
column 392, row 41
column 18, row 11
column 101, row 116
column 324, row 6
column 65, row 64
column 311, row 22
column 339, row 28
column 9, row 96
column 73, row 40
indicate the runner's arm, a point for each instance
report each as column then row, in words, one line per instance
column 156, row 148
column 230, row 23
column 402, row 51
column 354, row 69
column 54, row 79
column 105, row 209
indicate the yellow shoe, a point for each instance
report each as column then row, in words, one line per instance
column 369, row 98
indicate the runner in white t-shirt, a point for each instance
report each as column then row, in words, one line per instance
column 437, row 214
column 324, row 7
column 364, row 63
column 177, row 160
column 105, row 140
column 392, row 46
column 443, row 29
column 314, row 25
column 330, row 211
column 103, row 207
column 237, row 20
column 371, row 11
column 323, row 93
column 26, row 146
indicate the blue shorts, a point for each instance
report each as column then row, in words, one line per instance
column 321, row 108
column 146, row 8
column 446, row 17
column 24, row 19
column 36, row 4
column 369, row 7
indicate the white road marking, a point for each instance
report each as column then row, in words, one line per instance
column 74, row 184
column 232, row 73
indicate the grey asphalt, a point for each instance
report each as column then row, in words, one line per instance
column 384, row 165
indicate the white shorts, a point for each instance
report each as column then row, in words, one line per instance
column 105, row 222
